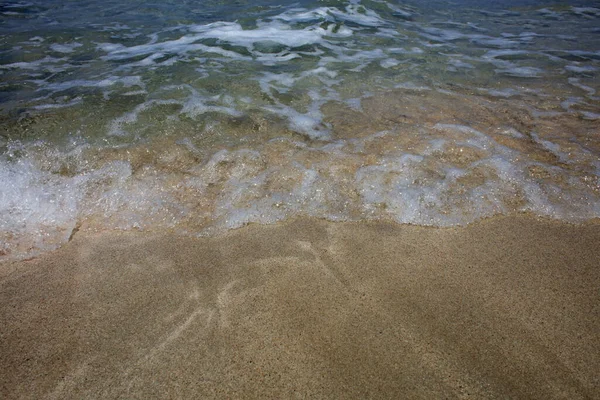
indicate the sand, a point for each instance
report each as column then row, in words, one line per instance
column 504, row 308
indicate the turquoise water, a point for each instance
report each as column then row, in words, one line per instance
column 198, row 117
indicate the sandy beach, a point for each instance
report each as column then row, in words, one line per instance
column 504, row 308
column 326, row 199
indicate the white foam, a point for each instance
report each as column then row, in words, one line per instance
column 496, row 42
column 549, row 13
column 125, row 81
column 450, row 174
column 512, row 132
column 493, row 54
column 196, row 104
column 352, row 13
column 551, row 147
column 570, row 102
column 44, row 63
column 580, row 69
column 505, row 93
column 588, row 12
column 401, row 189
column 274, row 59
column 389, row 62
column 281, row 82
column 359, row 58
column 181, row 46
column 337, row 180
column 521, row 72
column 411, row 86
column 278, row 30
column 41, row 207
column 400, row 12
column 65, row 48
column 355, row 103
column 35, row 41
column 50, row 106
column 117, row 126
column 475, row 138
column 577, row 83
column 590, row 115
column 110, row 47
column 309, row 123
column 20, row 4
column 460, row 64
column 37, row 208
column 278, row 33
column 389, row 33
column 301, row 15
column 400, row 50
column 357, row 14
column 445, row 35
column 451, row 35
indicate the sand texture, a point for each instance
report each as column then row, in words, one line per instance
column 504, row 308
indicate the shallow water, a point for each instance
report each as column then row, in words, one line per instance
column 203, row 116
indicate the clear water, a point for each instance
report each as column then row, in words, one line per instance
column 202, row 116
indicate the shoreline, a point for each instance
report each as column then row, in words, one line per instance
column 504, row 307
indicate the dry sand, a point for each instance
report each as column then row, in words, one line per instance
column 505, row 308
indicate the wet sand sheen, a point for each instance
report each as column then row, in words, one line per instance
column 504, row 308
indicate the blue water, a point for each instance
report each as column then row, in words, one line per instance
column 199, row 117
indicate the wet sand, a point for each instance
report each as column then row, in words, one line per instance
column 504, row 308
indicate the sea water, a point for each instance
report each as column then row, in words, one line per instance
column 202, row 116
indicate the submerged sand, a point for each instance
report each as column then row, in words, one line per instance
column 504, row 308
